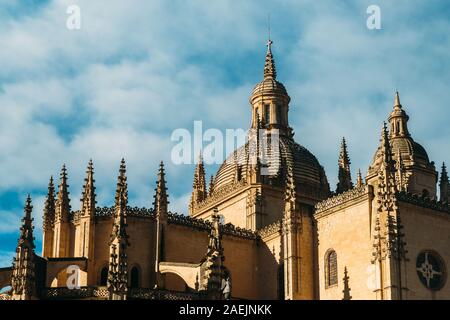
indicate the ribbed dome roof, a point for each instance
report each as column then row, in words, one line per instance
column 409, row 147
column 307, row 170
column 411, row 152
column 269, row 86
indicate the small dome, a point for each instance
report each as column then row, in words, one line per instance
column 308, row 173
column 409, row 147
column 269, row 86
column 411, row 152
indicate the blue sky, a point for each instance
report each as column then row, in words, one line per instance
column 137, row 70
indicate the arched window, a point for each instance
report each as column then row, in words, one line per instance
column 134, row 277
column 267, row 114
column 331, row 268
column 104, row 276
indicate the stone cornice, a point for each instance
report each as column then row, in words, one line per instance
column 423, row 202
column 105, row 212
column 200, row 224
column 271, row 229
column 341, row 199
column 221, row 194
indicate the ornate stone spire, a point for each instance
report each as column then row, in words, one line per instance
column 359, row 179
column 48, row 220
column 344, row 175
column 386, row 149
column 388, row 238
column 161, row 198
column 290, row 196
column 118, row 276
column 292, row 228
column 62, row 211
column 211, row 185
column 444, row 184
column 212, row 265
column 269, row 67
column 88, row 201
column 161, row 211
column 23, row 274
column 199, row 186
column 401, row 172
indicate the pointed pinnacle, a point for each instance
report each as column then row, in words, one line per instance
column 28, row 206
column 444, row 174
column 269, row 67
column 359, row 180
column 397, row 100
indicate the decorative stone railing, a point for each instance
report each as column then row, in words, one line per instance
column 131, row 211
column 151, row 294
column 424, row 202
column 103, row 294
column 4, row 296
column 341, row 199
column 220, row 194
column 66, row 293
column 228, row 229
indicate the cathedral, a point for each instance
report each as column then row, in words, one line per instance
column 274, row 228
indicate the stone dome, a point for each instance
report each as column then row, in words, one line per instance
column 308, row 173
column 269, row 86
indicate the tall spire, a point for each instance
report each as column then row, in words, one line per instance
column 88, row 201
column 117, row 275
column 23, row 274
column 48, row 219
column 62, row 211
column 120, row 217
column 199, row 192
column 444, row 184
column 161, row 198
column 270, row 71
column 211, row 185
column 161, row 212
column 344, row 175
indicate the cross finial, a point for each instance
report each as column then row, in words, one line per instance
column 269, row 44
